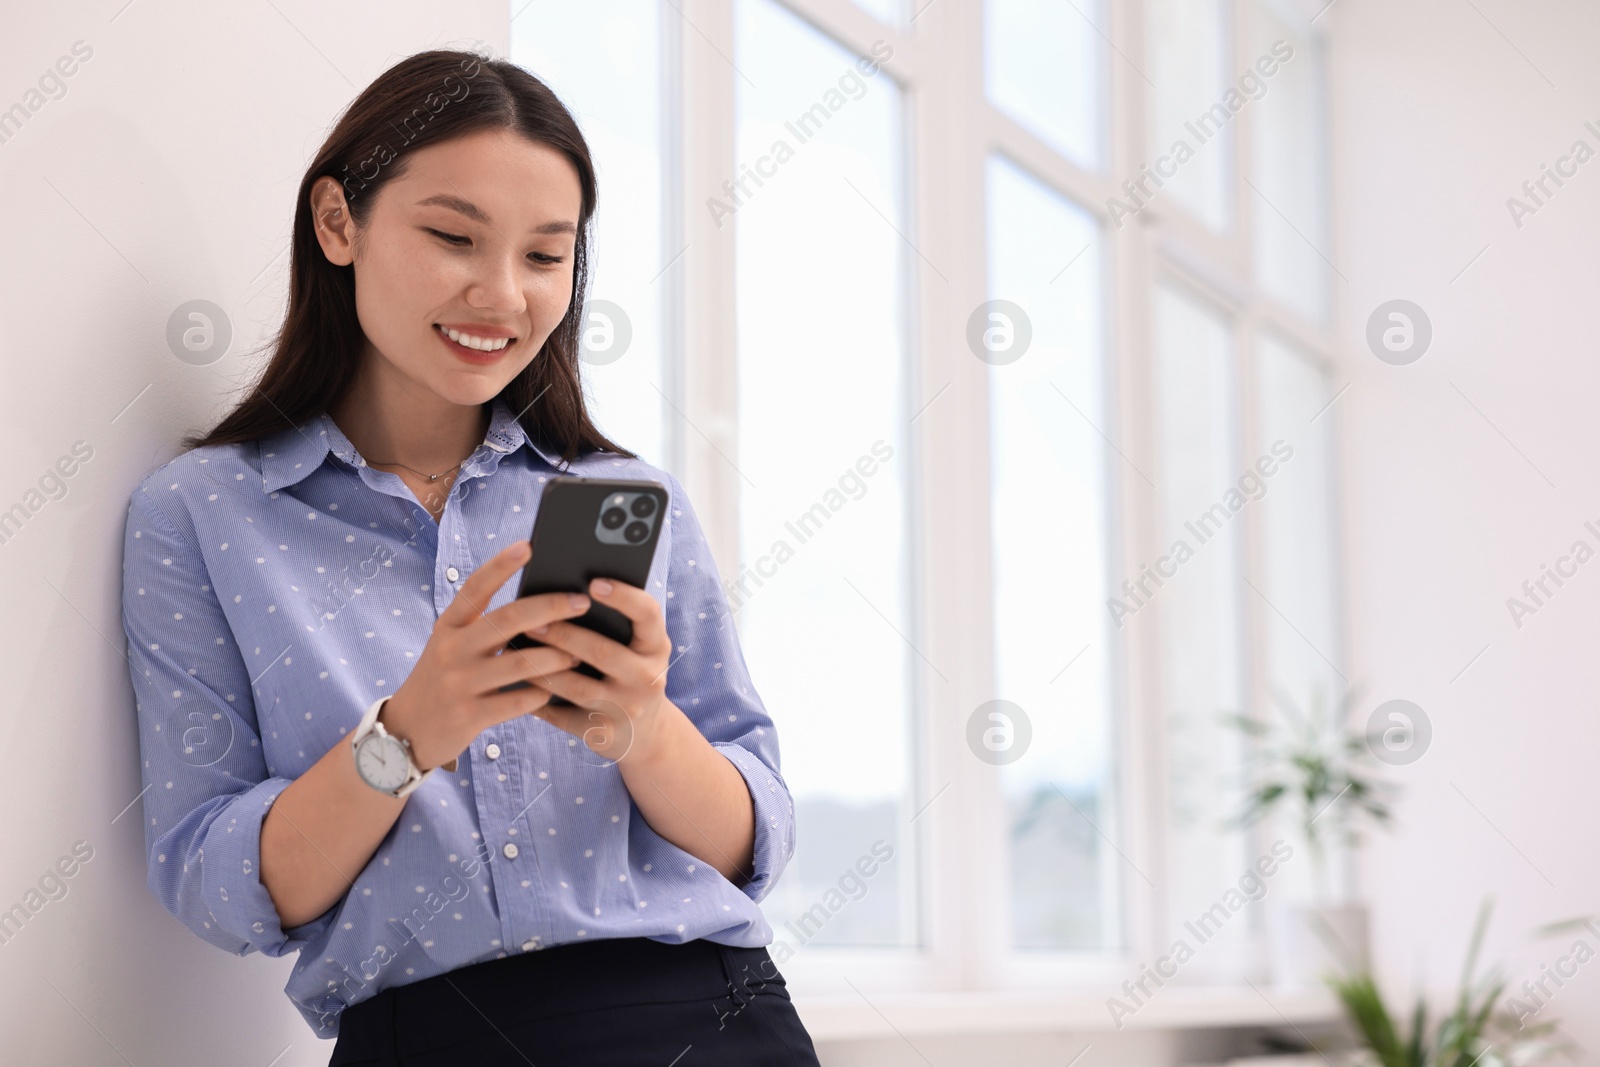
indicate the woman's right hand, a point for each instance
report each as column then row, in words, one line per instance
column 452, row 694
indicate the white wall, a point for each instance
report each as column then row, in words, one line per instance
column 166, row 172
column 1438, row 120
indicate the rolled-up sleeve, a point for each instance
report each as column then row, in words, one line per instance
column 206, row 788
column 708, row 679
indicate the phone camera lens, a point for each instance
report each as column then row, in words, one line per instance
column 611, row 518
column 636, row 532
column 643, row 506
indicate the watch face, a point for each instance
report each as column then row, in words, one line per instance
column 382, row 762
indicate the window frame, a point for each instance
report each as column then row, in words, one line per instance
column 949, row 131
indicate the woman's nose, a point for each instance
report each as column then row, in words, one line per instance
column 498, row 285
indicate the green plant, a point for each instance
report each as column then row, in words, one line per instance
column 1477, row 1032
column 1319, row 764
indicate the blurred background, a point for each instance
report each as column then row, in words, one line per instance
column 1144, row 442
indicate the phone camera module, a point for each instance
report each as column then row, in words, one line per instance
column 628, row 518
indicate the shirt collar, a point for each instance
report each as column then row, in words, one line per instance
column 289, row 455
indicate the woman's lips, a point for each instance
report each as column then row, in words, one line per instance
column 472, row 355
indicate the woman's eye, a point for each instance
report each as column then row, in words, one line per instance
column 456, row 240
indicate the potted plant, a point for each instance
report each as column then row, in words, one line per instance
column 1478, row 1031
column 1319, row 767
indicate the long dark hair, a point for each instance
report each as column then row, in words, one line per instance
column 422, row 100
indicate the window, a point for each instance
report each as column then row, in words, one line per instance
column 1189, row 76
column 888, row 11
column 1196, row 597
column 948, row 398
column 1051, row 528
column 1298, row 564
column 604, row 61
column 1301, row 646
column 1042, row 67
column 823, row 465
column 1292, row 263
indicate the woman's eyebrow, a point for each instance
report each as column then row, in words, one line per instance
column 477, row 214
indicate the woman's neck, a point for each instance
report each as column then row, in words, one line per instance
column 392, row 424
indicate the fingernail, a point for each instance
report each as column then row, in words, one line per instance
column 543, row 629
column 578, row 600
column 601, row 586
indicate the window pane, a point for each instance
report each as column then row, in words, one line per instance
column 823, row 469
column 1049, row 513
column 1299, row 568
column 1288, row 165
column 1196, row 598
column 1298, row 528
column 887, row 11
column 1043, row 67
column 1189, row 61
column 603, row 61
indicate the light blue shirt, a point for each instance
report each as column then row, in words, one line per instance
column 274, row 589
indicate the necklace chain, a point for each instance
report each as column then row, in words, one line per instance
column 413, row 470
column 425, row 474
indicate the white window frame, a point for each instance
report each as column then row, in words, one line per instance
column 949, row 130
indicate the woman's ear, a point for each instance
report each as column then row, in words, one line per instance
column 336, row 230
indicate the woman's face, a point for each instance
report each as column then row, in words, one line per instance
column 476, row 237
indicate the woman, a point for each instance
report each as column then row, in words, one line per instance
column 333, row 563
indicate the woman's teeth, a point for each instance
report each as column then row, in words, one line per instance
column 482, row 344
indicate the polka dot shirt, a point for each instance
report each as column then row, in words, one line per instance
column 273, row 590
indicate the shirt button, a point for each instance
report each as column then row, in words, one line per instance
column 530, row 945
column 492, row 750
column 452, row 574
column 510, row 850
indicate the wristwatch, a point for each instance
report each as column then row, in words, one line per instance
column 383, row 760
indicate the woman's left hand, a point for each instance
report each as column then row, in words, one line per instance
column 615, row 714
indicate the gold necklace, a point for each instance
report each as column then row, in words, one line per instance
column 413, row 470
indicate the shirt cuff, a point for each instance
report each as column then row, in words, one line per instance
column 234, row 904
column 774, row 818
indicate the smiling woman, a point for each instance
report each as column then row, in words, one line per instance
column 475, row 239
column 422, row 391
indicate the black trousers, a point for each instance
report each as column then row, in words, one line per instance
column 622, row 1001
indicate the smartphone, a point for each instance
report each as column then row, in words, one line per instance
column 589, row 528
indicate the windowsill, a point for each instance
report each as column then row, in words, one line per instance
column 845, row 1018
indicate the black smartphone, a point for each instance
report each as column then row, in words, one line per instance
column 589, row 528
